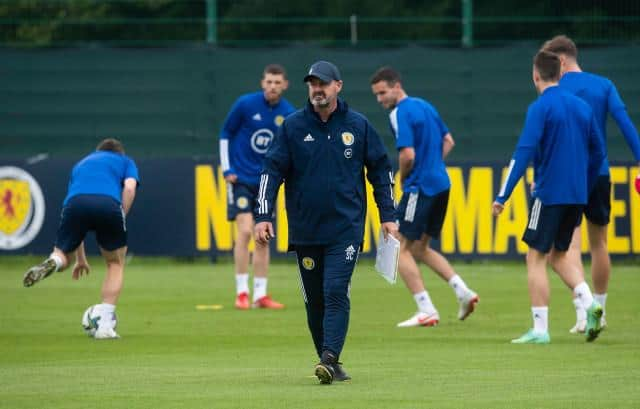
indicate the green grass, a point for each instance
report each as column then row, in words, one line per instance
column 173, row 356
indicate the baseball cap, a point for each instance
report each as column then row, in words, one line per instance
column 323, row 70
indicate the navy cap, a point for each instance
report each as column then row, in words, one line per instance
column 323, row 70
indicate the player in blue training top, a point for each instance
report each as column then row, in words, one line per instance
column 601, row 94
column 100, row 194
column 423, row 141
column 561, row 136
column 246, row 135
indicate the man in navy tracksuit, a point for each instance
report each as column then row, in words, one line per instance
column 321, row 152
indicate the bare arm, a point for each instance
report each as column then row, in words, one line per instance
column 406, row 159
column 128, row 194
column 447, row 144
column 81, row 266
column 80, row 254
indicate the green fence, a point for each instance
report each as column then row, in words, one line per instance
column 29, row 23
column 172, row 101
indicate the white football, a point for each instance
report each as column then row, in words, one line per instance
column 91, row 319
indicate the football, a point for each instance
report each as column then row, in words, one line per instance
column 91, row 319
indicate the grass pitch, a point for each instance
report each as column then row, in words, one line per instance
column 173, row 355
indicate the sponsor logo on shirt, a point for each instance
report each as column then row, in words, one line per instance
column 308, row 138
column 261, row 139
column 257, row 117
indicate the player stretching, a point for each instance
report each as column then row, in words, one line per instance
column 423, row 141
column 101, row 191
column 246, row 135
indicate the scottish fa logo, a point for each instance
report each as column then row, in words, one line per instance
column 308, row 263
column 242, row 202
column 21, row 208
column 261, row 139
column 349, row 252
column 347, row 138
column 278, row 120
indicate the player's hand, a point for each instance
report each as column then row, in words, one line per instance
column 263, row 232
column 497, row 208
column 389, row 228
column 231, row 178
column 80, row 268
column 638, row 183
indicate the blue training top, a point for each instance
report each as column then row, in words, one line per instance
column 101, row 173
column 561, row 135
column 601, row 94
column 248, row 132
column 416, row 124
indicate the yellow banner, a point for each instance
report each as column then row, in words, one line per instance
column 469, row 228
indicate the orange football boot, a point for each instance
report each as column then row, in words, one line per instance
column 268, row 303
column 242, row 301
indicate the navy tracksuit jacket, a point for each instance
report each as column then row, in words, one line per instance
column 323, row 167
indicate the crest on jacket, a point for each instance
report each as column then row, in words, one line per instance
column 347, row 138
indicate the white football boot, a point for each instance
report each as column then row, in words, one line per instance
column 579, row 328
column 467, row 304
column 106, row 333
column 421, row 319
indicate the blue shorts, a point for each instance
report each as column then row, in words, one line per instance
column 241, row 198
column 99, row 213
column 598, row 208
column 418, row 213
column 551, row 226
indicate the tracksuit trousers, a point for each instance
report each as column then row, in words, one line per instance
column 325, row 277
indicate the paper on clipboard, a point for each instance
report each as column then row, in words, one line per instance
column 387, row 257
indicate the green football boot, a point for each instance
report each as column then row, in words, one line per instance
column 594, row 325
column 532, row 337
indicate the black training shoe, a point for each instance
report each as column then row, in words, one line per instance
column 339, row 374
column 39, row 272
column 325, row 370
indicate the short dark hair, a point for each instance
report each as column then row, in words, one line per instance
column 110, row 145
column 548, row 65
column 561, row 44
column 386, row 74
column 274, row 69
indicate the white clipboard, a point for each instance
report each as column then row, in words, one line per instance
column 387, row 257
